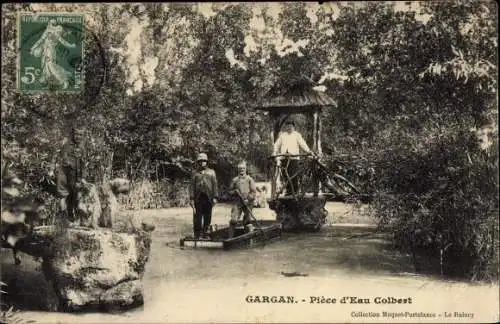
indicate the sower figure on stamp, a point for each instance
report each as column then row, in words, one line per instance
column 244, row 189
column 203, row 196
column 290, row 142
column 46, row 49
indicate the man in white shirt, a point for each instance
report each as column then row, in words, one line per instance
column 290, row 142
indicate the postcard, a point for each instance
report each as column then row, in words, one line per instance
column 274, row 162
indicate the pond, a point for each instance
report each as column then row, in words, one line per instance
column 345, row 258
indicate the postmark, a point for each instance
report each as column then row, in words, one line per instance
column 51, row 52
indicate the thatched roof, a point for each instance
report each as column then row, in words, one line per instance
column 298, row 96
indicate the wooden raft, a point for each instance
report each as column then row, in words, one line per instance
column 263, row 232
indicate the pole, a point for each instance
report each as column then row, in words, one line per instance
column 251, row 214
column 274, row 175
column 315, row 131
column 319, row 152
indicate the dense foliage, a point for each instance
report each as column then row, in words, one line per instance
column 415, row 86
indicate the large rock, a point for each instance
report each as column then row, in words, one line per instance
column 97, row 204
column 89, row 206
column 98, row 268
column 108, row 190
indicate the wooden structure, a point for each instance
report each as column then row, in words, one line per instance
column 304, row 208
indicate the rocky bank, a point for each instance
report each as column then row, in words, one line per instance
column 98, row 269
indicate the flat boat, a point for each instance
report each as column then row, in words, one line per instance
column 237, row 236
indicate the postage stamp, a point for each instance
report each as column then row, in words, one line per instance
column 50, row 53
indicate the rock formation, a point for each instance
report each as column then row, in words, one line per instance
column 96, row 262
column 98, row 269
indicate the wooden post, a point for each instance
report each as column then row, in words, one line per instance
column 274, row 170
column 272, row 130
column 317, row 137
column 319, row 134
column 315, row 131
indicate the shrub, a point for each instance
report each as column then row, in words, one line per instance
column 145, row 194
column 441, row 200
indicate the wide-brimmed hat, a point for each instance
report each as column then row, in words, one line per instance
column 202, row 157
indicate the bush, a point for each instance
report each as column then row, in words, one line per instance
column 145, row 194
column 442, row 201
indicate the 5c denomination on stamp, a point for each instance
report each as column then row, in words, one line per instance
column 50, row 52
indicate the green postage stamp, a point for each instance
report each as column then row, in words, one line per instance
column 50, row 57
